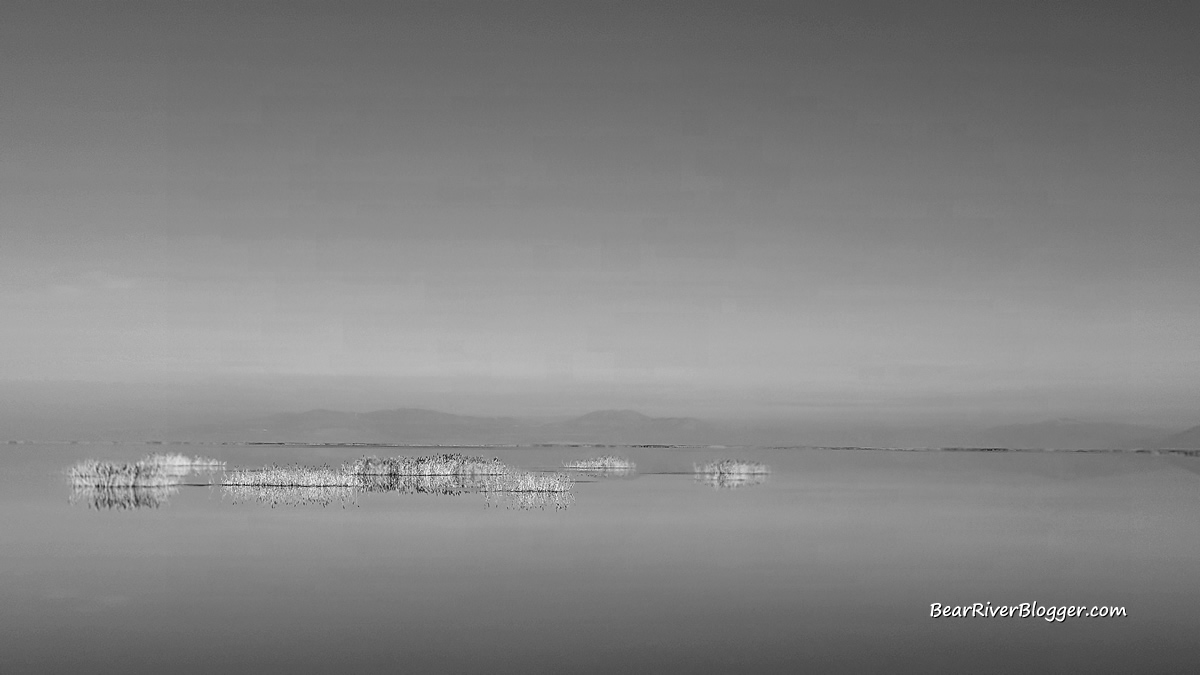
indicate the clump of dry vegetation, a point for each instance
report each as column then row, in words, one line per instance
column 731, row 473
column 149, row 482
column 289, row 476
column 183, row 462
column 152, row 471
column 93, row 473
column 438, row 485
column 456, row 473
column 446, row 474
column 732, row 467
column 603, row 463
column 448, row 464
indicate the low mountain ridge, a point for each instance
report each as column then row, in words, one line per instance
column 629, row 426
column 1069, row 434
column 1188, row 439
column 418, row 425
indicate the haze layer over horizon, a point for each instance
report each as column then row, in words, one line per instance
column 749, row 207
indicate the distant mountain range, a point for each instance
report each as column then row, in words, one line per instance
column 417, row 425
column 1189, row 439
column 619, row 427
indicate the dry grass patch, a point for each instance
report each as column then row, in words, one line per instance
column 732, row 467
column 438, row 485
column 731, row 473
column 450, row 464
column 603, row 463
column 447, row 474
column 452, row 473
column 174, row 460
column 94, row 473
column 149, row 482
column 289, row 476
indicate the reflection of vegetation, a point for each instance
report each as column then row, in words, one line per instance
column 275, row 495
column 135, row 497
column 607, row 465
column 731, row 473
column 523, row 481
column 733, row 467
column 725, row 481
column 530, row 500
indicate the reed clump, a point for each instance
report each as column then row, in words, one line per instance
column 732, row 467
column 447, row 474
column 602, row 463
column 174, row 459
column 94, row 473
column 452, row 473
column 446, row 464
column 731, row 473
column 421, row 474
column 294, row 475
column 153, row 470
column 149, row 482
column 438, row 485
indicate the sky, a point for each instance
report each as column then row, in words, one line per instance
column 873, row 210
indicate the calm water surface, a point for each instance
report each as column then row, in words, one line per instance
column 831, row 564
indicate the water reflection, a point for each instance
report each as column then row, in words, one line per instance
column 454, row 486
column 527, row 501
column 121, row 498
column 723, row 481
column 294, row 495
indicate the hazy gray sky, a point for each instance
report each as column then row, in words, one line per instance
column 775, row 206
